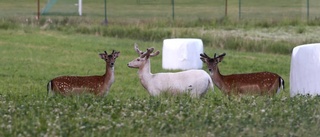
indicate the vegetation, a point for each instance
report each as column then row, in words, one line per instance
column 253, row 37
column 35, row 51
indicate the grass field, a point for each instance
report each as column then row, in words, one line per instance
column 30, row 58
column 34, row 52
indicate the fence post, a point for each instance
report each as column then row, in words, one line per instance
column 239, row 9
column 308, row 6
column 172, row 2
column 38, row 12
column 80, row 7
column 226, row 9
column 105, row 12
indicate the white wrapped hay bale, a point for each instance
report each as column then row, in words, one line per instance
column 182, row 53
column 305, row 70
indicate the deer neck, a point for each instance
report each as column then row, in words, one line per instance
column 109, row 72
column 108, row 77
column 145, row 74
column 217, row 78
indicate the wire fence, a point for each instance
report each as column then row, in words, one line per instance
column 167, row 9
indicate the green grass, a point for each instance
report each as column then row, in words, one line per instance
column 31, row 58
column 33, row 52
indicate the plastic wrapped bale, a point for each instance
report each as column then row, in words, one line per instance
column 305, row 70
column 182, row 53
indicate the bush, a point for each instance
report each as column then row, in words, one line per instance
column 6, row 24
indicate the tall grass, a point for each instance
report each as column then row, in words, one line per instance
column 214, row 115
column 216, row 33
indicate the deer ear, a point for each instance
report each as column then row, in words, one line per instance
column 220, row 58
column 155, row 53
column 204, row 57
column 204, row 60
column 150, row 50
column 116, row 54
column 136, row 48
column 102, row 56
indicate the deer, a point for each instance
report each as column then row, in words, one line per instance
column 97, row 85
column 194, row 82
column 259, row 83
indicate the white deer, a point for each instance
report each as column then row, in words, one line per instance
column 195, row 82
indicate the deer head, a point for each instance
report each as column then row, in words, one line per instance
column 143, row 57
column 212, row 63
column 109, row 59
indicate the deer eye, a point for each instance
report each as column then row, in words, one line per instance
column 138, row 59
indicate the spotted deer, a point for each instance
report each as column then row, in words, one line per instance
column 98, row 85
column 260, row 83
column 195, row 82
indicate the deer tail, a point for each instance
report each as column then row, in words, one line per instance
column 281, row 84
column 210, row 83
column 49, row 87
